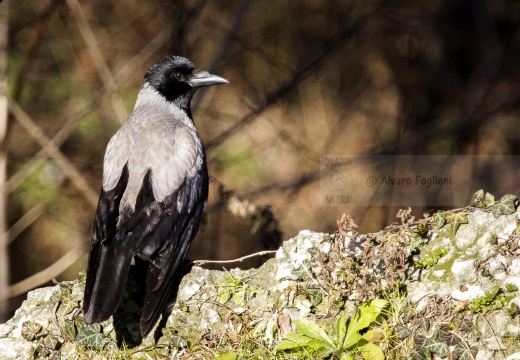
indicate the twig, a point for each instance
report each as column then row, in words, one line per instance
column 24, row 222
column 4, row 250
column 464, row 342
column 51, row 272
column 203, row 262
column 331, row 45
column 494, row 335
column 66, row 165
column 99, row 60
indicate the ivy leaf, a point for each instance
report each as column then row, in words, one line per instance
column 30, row 330
column 50, row 342
column 68, row 304
column 313, row 251
column 420, row 341
column 477, row 199
column 402, row 332
column 70, row 329
column 461, row 352
column 56, row 296
column 447, row 337
column 482, row 200
column 423, row 323
column 437, row 347
column 423, row 354
column 91, row 336
column 303, row 270
column 82, row 275
column 65, row 289
column 506, row 206
column 41, row 351
column 440, row 219
column 456, row 219
column 489, row 200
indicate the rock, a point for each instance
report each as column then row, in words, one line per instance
column 468, row 277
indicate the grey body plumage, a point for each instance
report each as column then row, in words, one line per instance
column 155, row 184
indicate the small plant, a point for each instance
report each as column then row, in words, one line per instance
column 234, row 287
column 431, row 259
column 495, row 299
column 352, row 337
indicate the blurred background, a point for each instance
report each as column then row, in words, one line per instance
column 307, row 79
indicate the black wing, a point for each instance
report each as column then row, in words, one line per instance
column 161, row 232
column 108, row 264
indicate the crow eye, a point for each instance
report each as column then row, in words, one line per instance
column 177, row 75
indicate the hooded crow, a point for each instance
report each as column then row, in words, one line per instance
column 155, row 185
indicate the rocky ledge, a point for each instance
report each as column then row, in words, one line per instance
column 446, row 286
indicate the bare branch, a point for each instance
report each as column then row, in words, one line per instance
column 101, row 65
column 4, row 251
column 330, row 47
column 49, row 273
column 24, row 222
column 260, row 253
column 53, row 151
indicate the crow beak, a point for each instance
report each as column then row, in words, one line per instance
column 204, row 78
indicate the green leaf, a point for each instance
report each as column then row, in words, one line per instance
column 489, row 200
column 341, row 330
column 423, row 323
column 30, row 330
column 308, row 336
column 461, row 352
column 422, row 354
column 481, row 200
column 313, row 330
column 91, row 336
column 371, row 352
column 477, row 199
column 402, row 332
column 456, row 219
column 70, row 330
column 366, row 315
column 49, row 342
column 372, row 336
column 440, row 219
column 82, row 275
column 56, row 296
column 224, row 297
column 293, row 340
column 67, row 305
column 437, row 347
column 227, row 356
column 448, row 337
column 506, row 206
column 346, row 356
